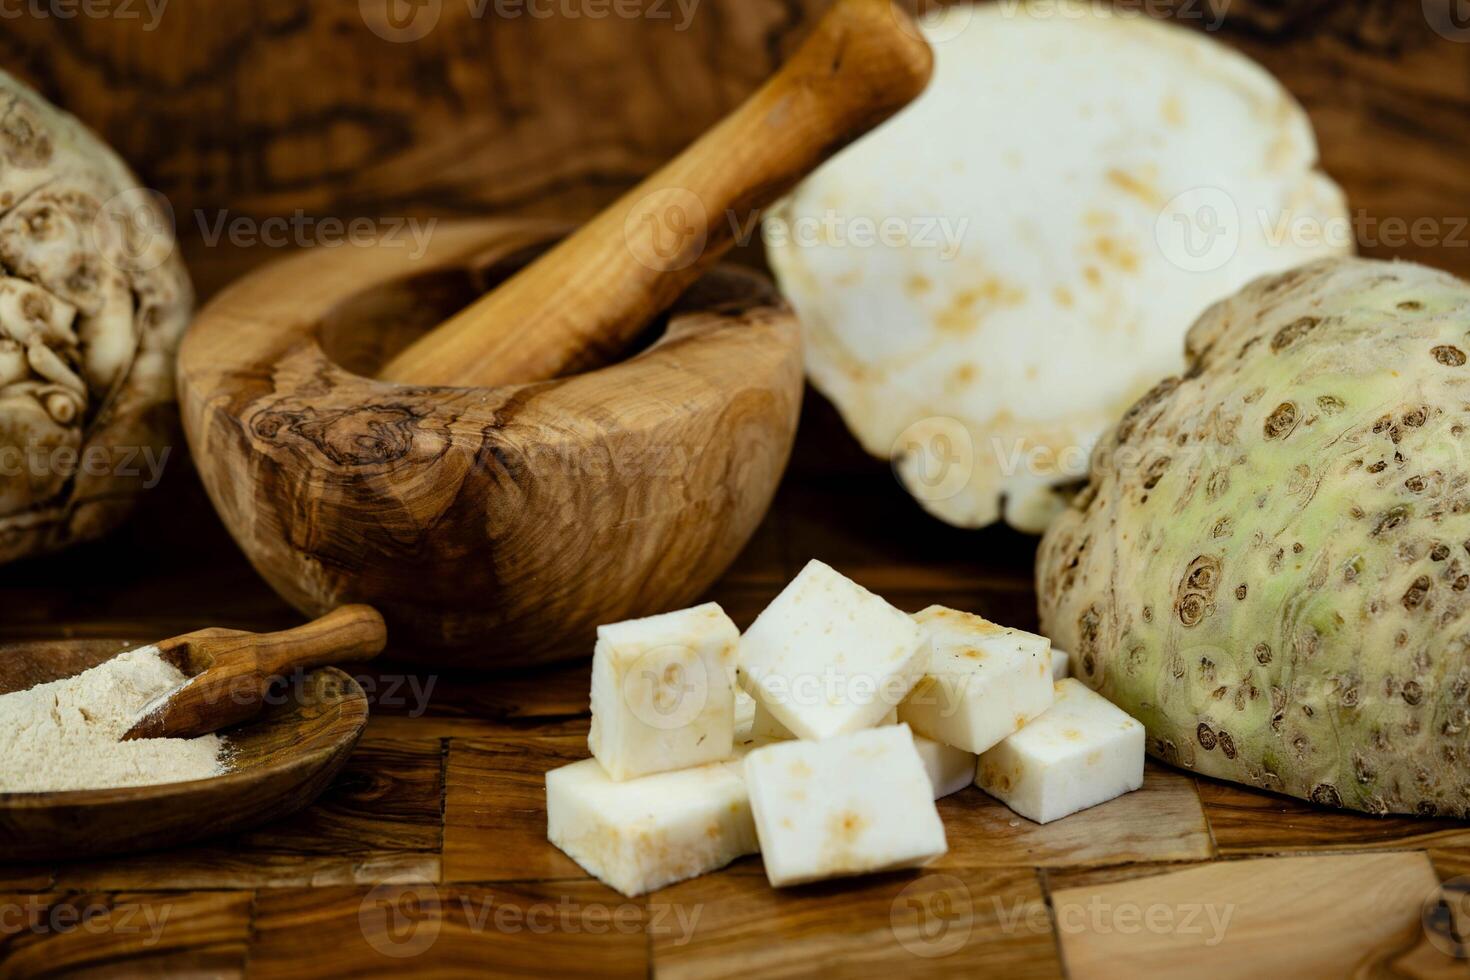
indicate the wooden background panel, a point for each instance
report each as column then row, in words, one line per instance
column 269, row 106
column 555, row 114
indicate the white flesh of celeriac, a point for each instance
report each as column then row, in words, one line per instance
column 990, row 279
column 641, row 834
column 1082, row 752
column 848, row 805
column 982, row 682
column 663, row 692
column 950, row 769
column 828, row 657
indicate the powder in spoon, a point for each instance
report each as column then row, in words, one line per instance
column 65, row 735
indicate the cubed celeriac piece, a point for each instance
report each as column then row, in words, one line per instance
column 982, row 682
column 1083, row 751
column 828, row 657
column 1061, row 664
column 847, row 805
column 642, row 834
column 950, row 769
column 765, row 725
column 663, row 692
column 744, row 713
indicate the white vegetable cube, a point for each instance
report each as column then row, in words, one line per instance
column 663, row 692
column 848, row 805
column 642, row 834
column 744, row 713
column 982, row 682
column 1082, row 752
column 950, row 769
column 828, row 657
column 765, row 725
column 1061, row 664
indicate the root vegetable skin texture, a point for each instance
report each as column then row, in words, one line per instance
column 93, row 302
column 1270, row 566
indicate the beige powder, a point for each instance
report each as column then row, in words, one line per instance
column 64, row 735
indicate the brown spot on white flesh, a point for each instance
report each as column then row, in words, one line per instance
column 1172, row 110
column 848, row 825
column 1116, row 253
column 1135, row 186
column 968, row 306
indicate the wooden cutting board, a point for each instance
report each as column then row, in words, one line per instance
column 429, row 851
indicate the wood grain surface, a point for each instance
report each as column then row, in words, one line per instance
column 1328, row 916
column 557, row 114
column 438, row 821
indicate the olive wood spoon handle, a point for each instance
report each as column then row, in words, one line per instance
column 230, row 671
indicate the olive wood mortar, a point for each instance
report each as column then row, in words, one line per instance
column 406, row 432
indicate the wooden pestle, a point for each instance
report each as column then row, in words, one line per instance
column 585, row 300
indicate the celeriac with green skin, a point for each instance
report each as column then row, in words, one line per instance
column 1270, row 567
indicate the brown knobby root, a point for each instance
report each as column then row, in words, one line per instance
column 93, row 302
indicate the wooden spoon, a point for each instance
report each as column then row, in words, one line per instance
column 582, row 303
column 278, row 763
column 230, row 671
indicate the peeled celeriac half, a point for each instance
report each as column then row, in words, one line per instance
column 988, row 281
